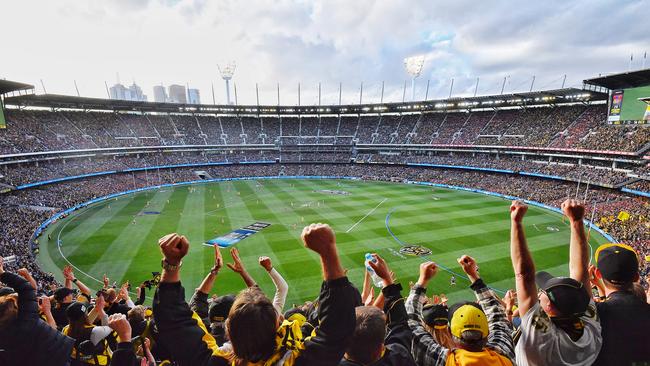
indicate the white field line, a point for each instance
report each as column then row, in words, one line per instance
column 368, row 214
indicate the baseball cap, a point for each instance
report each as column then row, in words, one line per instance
column 296, row 314
column 467, row 316
column 6, row 291
column 567, row 295
column 220, row 307
column 76, row 310
column 61, row 293
column 436, row 316
column 617, row 262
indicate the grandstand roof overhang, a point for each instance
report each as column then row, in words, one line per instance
column 8, row 86
column 622, row 80
column 539, row 98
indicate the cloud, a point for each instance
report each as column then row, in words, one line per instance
column 307, row 42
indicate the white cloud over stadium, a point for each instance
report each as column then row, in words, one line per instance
column 168, row 41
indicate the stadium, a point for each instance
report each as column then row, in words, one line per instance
column 89, row 186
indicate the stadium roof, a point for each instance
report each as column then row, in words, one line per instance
column 7, row 86
column 622, row 80
column 547, row 97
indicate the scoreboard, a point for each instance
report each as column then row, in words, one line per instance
column 625, row 106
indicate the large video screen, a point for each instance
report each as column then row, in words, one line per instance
column 625, row 106
column 2, row 116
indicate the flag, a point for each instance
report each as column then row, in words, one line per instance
column 623, row 215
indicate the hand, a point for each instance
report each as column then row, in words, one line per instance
column 121, row 326
column 105, row 281
column 45, row 305
column 124, row 291
column 100, row 304
column 68, row 274
column 2, row 269
column 266, row 263
column 24, row 273
column 218, row 260
column 517, row 211
column 573, row 210
column 237, row 265
column 469, row 267
column 510, row 299
column 147, row 343
column 427, row 271
column 174, row 247
column 381, row 269
column 320, row 238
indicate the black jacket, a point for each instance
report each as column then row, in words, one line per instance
column 182, row 331
column 398, row 339
column 625, row 320
column 29, row 340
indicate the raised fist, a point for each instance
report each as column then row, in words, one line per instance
column 174, row 247
column 427, row 271
column 121, row 326
column 266, row 263
column 517, row 211
column 469, row 266
column 573, row 210
column 319, row 238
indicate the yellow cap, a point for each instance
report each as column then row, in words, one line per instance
column 468, row 317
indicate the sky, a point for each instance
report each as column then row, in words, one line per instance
column 338, row 42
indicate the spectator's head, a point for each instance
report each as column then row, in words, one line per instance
column 469, row 326
column 436, row 321
column 297, row 315
column 63, row 295
column 136, row 314
column 618, row 266
column 367, row 342
column 219, row 308
column 111, row 296
column 561, row 296
column 252, row 310
column 8, row 308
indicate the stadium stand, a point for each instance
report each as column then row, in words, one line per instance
column 54, row 160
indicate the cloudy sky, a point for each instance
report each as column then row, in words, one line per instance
column 348, row 41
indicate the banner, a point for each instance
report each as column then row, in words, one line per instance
column 238, row 235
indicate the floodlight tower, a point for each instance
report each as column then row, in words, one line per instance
column 413, row 66
column 226, row 74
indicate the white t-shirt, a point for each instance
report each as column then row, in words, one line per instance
column 543, row 343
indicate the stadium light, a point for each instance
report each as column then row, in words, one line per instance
column 227, row 72
column 413, row 66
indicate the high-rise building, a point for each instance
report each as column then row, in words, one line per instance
column 177, row 94
column 194, row 96
column 121, row 92
column 136, row 93
column 159, row 94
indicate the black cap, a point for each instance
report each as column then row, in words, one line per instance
column 6, row 291
column 435, row 315
column 567, row 295
column 61, row 293
column 617, row 263
column 220, row 307
column 76, row 310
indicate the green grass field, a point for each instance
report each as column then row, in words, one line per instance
column 116, row 239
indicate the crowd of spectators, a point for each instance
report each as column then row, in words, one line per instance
column 563, row 127
column 545, row 320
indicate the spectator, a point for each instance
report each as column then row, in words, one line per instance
column 559, row 325
column 481, row 332
column 82, row 331
column 370, row 344
column 191, row 344
column 624, row 317
column 25, row 339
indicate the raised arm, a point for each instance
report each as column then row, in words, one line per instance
column 281, row 286
column 426, row 351
column 180, row 331
column 499, row 337
column 24, row 273
column 579, row 247
column 69, row 276
column 336, row 302
column 522, row 262
column 199, row 300
column 27, row 303
column 238, row 267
